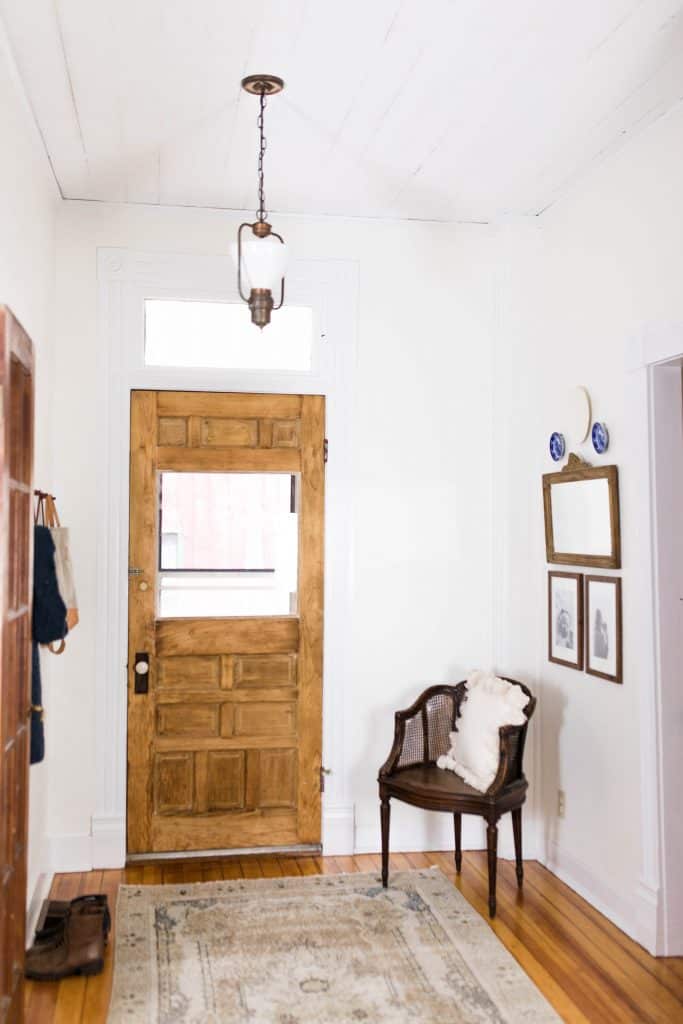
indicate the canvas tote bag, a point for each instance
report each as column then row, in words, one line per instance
column 63, row 566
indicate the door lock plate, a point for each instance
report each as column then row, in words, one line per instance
column 141, row 670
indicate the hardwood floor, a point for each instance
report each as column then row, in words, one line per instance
column 588, row 969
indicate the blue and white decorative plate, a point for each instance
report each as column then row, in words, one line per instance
column 600, row 438
column 556, row 446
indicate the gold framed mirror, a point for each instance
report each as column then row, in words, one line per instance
column 581, row 507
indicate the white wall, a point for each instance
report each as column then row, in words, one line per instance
column 422, row 470
column 576, row 288
column 451, row 441
column 28, row 199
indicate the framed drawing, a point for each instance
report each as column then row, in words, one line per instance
column 603, row 619
column 581, row 507
column 565, row 619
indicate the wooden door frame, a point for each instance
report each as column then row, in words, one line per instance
column 649, row 348
column 126, row 278
column 17, row 426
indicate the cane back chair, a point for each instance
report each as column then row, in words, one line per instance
column 410, row 774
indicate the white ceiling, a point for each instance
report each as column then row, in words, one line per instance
column 436, row 109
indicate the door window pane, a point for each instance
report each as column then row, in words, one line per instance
column 228, row 544
column 220, row 335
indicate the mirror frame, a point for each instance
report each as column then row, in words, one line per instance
column 575, row 470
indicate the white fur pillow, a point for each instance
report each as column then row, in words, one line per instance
column 475, row 747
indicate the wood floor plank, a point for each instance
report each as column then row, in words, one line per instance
column 552, row 945
column 151, row 874
column 173, row 873
column 212, row 871
column 289, row 867
column 568, row 902
column 589, row 970
column 399, row 862
column 98, row 988
column 418, row 860
column 346, row 865
column 192, row 872
column 231, row 869
column 270, row 867
column 327, row 865
column 250, row 867
column 631, row 983
column 477, row 896
column 71, row 996
column 133, row 874
column 307, row 865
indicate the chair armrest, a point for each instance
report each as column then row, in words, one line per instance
column 509, row 766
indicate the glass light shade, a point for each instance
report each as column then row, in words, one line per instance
column 264, row 262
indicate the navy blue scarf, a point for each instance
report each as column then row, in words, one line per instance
column 49, row 624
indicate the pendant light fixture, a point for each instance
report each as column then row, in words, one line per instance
column 261, row 257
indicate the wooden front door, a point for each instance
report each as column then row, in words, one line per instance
column 225, row 620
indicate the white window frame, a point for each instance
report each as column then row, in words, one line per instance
column 125, row 279
column 317, row 335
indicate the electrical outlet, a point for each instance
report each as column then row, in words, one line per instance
column 560, row 803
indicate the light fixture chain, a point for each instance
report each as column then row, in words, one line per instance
column 261, row 213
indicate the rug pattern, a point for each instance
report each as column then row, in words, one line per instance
column 335, row 949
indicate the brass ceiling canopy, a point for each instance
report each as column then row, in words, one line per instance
column 257, row 85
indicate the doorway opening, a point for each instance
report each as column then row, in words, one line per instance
column 666, row 395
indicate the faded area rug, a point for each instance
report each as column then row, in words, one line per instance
column 325, row 949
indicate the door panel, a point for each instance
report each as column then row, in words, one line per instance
column 16, row 575
column 224, row 748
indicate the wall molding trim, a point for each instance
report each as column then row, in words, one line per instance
column 648, row 917
column 435, row 832
column 653, row 345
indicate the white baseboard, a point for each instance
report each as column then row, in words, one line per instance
column 106, row 847
column 649, row 924
column 40, row 893
column 108, row 842
column 338, row 831
column 71, row 852
column 434, row 834
column 620, row 909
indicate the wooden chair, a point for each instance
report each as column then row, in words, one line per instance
column 410, row 774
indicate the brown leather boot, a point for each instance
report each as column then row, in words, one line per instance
column 54, row 914
column 78, row 948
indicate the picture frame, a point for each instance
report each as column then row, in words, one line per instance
column 565, row 619
column 604, row 627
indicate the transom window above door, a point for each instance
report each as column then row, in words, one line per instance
column 220, row 335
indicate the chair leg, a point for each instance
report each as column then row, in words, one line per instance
column 385, row 815
column 517, row 832
column 492, row 850
column 457, row 828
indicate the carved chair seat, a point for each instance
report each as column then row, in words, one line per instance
column 410, row 774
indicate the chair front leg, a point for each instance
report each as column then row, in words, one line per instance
column 457, row 828
column 385, row 815
column 517, row 832
column 492, row 851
